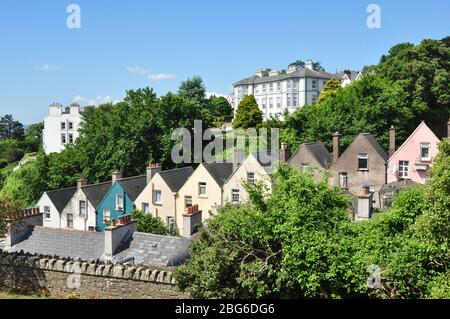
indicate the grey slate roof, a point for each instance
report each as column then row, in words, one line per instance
column 320, row 152
column 304, row 72
column 62, row 243
column 154, row 249
column 95, row 193
column 219, row 171
column 133, row 186
column 268, row 161
column 369, row 137
column 175, row 178
column 61, row 197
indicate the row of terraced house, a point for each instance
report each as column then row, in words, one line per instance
column 365, row 170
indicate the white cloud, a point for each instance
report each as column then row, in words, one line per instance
column 161, row 76
column 137, row 70
column 46, row 67
column 94, row 102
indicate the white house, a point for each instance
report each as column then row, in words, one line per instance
column 52, row 203
column 278, row 91
column 80, row 213
column 347, row 77
column 61, row 127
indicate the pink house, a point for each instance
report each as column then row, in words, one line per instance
column 412, row 160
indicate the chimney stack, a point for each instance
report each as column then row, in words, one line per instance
column 81, row 182
column 238, row 157
column 152, row 169
column 391, row 141
column 191, row 218
column 336, row 138
column 448, row 128
column 285, row 153
column 116, row 176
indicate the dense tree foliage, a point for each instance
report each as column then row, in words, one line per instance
column 410, row 84
column 10, row 129
column 330, row 88
column 8, row 211
column 149, row 224
column 248, row 114
column 300, row 243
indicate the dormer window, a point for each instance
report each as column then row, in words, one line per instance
column 425, row 151
column 363, row 162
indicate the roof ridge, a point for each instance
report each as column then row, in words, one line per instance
column 60, row 189
column 97, row 184
column 175, row 169
column 131, row 177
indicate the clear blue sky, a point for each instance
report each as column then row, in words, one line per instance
column 130, row 44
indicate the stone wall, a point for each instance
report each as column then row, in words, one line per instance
column 31, row 274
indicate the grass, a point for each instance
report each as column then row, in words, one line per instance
column 13, row 296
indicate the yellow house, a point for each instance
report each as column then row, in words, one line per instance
column 159, row 196
column 203, row 188
column 256, row 167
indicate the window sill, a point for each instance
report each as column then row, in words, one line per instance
column 158, row 204
column 363, row 169
column 203, row 196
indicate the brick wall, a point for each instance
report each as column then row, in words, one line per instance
column 28, row 274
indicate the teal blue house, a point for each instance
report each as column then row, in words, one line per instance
column 119, row 200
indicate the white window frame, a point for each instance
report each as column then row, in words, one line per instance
column 106, row 214
column 119, row 202
column 278, row 102
column 251, row 177
column 47, row 213
column 63, row 126
column 70, row 138
column 155, row 197
column 70, row 125
column 270, row 102
column 69, row 220
column 426, row 146
column 363, row 156
column 186, row 199
column 63, row 138
column 343, row 180
column 235, row 196
column 202, row 186
column 145, row 207
column 403, row 169
column 80, row 207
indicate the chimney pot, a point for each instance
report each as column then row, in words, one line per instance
column 284, row 152
column 81, row 182
column 152, row 169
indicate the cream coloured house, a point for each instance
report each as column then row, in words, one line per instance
column 203, row 188
column 256, row 167
column 159, row 197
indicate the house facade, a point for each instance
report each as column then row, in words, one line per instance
column 52, row 204
column 61, row 127
column 159, row 198
column 361, row 165
column 414, row 158
column 80, row 212
column 278, row 91
column 313, row 158
column 119, row 199
column 347, row 77
column 204, row 188
column 253, row 169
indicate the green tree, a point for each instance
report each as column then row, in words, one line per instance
column 33, row 136
column 248, row 114
column 27, row 184
column 277, row 247
column 10, row 129
column 149, row 224
column 8, row 211
column 221, row 108
column 330, row 88
column 193, row 89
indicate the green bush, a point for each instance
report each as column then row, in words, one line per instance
column 149, row 224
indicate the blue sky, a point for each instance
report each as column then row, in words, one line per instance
column 130, row 44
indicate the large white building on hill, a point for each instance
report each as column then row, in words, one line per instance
column 276, row 91
column 61, row 127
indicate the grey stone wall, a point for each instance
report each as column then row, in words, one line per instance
column 29, row 274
